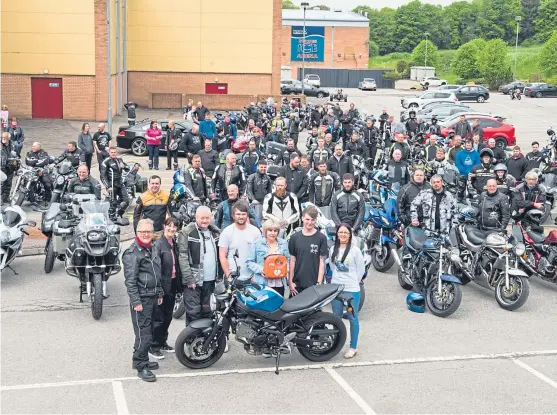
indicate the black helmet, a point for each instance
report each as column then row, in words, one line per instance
column 550, row 132
column 411, row 112
column 434, row 118
column 534, row 216
column 486, row 152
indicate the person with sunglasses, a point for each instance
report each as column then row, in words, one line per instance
column 348, row 268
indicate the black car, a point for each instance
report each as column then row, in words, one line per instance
column 541, row 90
column 133, row 138
column 505, row 89
column 295, row 88
column 472, row 93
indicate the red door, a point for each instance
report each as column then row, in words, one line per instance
column 216, row 88
column 47, row 98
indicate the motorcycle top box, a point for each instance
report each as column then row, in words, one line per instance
column 275, row 148
column 266, row 299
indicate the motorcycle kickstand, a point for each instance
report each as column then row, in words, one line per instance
column 13, row 270
column 277, row 359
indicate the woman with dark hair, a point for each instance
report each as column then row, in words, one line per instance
column 153, row 136
column 170, row 281
column 347, row 265
column 85, row 144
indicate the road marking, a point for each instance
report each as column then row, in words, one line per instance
column 534, row 372
column 120, row 398
column 348, row 389
column 194, row 374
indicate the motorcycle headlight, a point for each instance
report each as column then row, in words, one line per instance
column 95, row 236
column 519, row 249
column 385, row 220
column 4, row 237
column 60, row 180
column 213, row 302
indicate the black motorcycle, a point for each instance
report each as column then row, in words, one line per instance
column 265, row 323
column 60, row 177
column 30, row 187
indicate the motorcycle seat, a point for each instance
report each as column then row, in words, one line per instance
column 474, row 235
column 309, row 297
column 535, row 236
column 416, row 238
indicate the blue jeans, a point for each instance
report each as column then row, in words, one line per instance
column 338, row 310
column 153, row 150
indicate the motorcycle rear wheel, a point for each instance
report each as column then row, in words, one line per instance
column 443, row 307
column 179, row 307
column 321, row 321
column 50, row 256
column 402, row 281
column 191, row 338
column 97, row 296
column 514, row 299
column 362, row 296
column 382, row 260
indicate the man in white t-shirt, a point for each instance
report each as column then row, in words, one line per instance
column 237, row 237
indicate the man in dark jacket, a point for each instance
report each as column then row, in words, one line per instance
column 111, row 176
column 434, row 128
column 223, row 214
column 17, row 136
column 209, row 159
column 477, row 130
column 196, row 180
column 297, row 181
column 142, row 274
column 494, row 211
column 319, row 153
column 499, row 155
column 370, row 136
column 340, row 163
column 356, row 147
column 6, row 152
column 323, row 185
column 294, row 128
column 227, row 174
column 250, row 158
column 37, row 157
column 229, row 128
column 84, row 184
column 130, row 107
column 535, row 157
column 259, row 183
column 517, row 165
column 153, row 204
column 453, row 151
column 193, row 142
column 400, row 145
column 284, row 158
column 412, row 125
column 408, row 193
column 73, row 154
column 463, row 128
column 480, row 174
column 200, row 112
column 431, row 148
column 529, row 194
column 397, row 170
column 172, row 144
column 345, row 121
column 347, row 205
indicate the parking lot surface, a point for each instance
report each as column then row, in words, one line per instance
column 483, row 359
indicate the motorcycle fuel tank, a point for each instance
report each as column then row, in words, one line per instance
column 494, row 239
column 268, row 300
column 551, row 239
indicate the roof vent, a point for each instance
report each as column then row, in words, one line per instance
column 338, row 11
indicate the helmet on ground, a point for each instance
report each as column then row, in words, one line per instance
column 486, row 152
column 415, row 302
column 534, row 216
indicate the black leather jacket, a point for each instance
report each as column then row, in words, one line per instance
column 370, row 135
column 89, row 186
column 171, row 134
column 250, row 159
column 284, row 158
column 525, row 197
column 357, row 148
column 412, row 125
column 76, row 157
column 111, row 174
column 348, row 207
column 405, row 197
column 6, row 152
column 480, row 175
column 331, row 182
column 37, row 159
column 142, row 272
column 463, row 129
column 259, row 186
column 494, row 212
column 340, row 166
column 297, row 181
column 237, row 177
column 318, row 154
column 196, row 181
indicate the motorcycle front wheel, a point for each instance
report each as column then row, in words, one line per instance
column 446, row 303
column 50, row 256
column 362, row 296
column 336, row 337
column 97, row 296
column 383, row 259
column 402, row 280
column 179, row 306
column 514, row 297
column 188, row 349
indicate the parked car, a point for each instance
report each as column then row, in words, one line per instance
column 419, row 101
column 530, row 84
column 541, row 90
column 472, row 93
column 284, row 82
column 432, row 81
column 448, row 87
column 505, row 89
column 503, row 133
column 296, row 88
column 367, row 84
column 431, row 105
column 133, row 138
column 442, row 112
column 456, row 117
column 313, row 80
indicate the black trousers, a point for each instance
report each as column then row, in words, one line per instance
column 142, row 322
column 172, row 154
column 121, row 195
column 100, row 158
column 7, row 185
column 88, row 160
column 196, row 301
column 163, row 317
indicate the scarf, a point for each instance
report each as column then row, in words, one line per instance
column 141, row 244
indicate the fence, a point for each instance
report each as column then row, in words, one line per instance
column 348, row 78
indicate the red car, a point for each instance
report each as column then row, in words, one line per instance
column 504, row 134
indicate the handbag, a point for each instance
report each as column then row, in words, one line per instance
column 275, row 266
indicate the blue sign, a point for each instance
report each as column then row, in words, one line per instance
column 313, row 49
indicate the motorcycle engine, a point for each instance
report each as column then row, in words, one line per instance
column 246, row 330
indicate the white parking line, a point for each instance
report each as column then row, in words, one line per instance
column 194, row 374
column 120, row 398
column 534, row 372
column 348, row 389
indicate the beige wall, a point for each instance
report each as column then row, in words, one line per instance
column 36, row 36
column 200, row 36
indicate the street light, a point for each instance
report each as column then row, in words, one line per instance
column 304, row 5
column 426, row 35
column 518, row 19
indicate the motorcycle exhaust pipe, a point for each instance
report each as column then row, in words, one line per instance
column 88, row 289
column 104, row 289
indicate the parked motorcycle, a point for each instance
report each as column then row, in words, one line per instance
column 135, row 184
column 424, row 269
column 264, row 322
column 29, row 187
column 516, row 94
column 60, row 177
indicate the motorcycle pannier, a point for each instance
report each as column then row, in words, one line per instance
column 141, row 185
column 61, row 237
column 275, row 266
column 273, row 170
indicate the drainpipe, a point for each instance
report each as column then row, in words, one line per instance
column 118, row 55
column 109, row 68
column 125, row 58
column 333, row 48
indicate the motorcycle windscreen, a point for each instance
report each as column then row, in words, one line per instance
column 95, row 216
column 11, row 217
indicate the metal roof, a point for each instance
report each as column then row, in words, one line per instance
column 323, row 18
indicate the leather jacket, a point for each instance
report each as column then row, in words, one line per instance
column 405, row 197
column 480, row 175
column 463, row 129
column 76, row 157
column 348, row 207
column 111, row 173
column 250, row 160
column 494, row 212
column 284, row 158
column 259, row 186
column 330, row 181
column 340, row 166
column 196, row 181
column 37, row 159
column 237, row 177
column 318, row 154
column 370, row 135
column 89, row 186
column 357, row 148
column 142, row 272
column 297, row 181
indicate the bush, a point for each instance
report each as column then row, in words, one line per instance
column 465, row 60
column 402, row 66
column 494, row 64
column 536, row 77
column 552, row 80
column 373, row 49
column 419, row 54
column 548, row 56
column 392, row 76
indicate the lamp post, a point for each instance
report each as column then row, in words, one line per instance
column 425, row 62
column 518, row 19
column 304, row 5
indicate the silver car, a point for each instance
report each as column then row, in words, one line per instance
column 419, row 101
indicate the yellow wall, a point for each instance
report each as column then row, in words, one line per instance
column 43, row 34
column 200, row 36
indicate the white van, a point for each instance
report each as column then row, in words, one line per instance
column 313, row 80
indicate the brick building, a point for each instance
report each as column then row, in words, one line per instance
column 333, row 40
column 56, row 65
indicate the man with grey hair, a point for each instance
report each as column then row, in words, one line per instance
column 529, row 194
column 142, row 274
column 37, row 157
column 434, row 208
column 494, row 215
column 199, row 265
column 101, row 143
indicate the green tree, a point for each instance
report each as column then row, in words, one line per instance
column 546, row 20
column 287, row 4
column 373, row 49
column 459, row 22
column 548, row 56
column 465, row 62
column 412, row 20
column 497, row 19
column 321, row 7
column 494, row 63
column 419, row 54
column 530, row 13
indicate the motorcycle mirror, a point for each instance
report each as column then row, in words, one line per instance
column 63, row 208
column 122, row 221
column 31, row 223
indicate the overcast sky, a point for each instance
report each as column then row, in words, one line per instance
column 347, row 5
